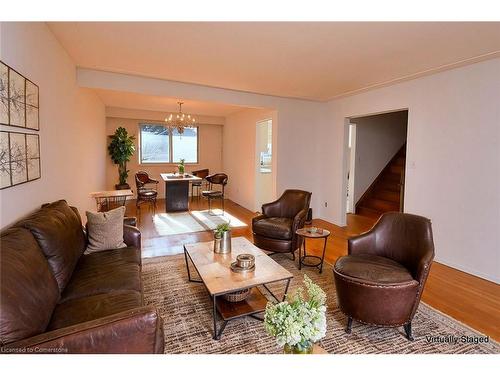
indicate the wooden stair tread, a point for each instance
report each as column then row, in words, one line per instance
column 368, row 212
column 381, row 205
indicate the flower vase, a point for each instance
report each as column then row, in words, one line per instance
column 305, row 347
column 225, row 242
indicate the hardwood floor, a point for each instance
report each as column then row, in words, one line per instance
column 469, row 299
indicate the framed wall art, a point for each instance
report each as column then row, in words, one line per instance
column 19, row 158
column 19, row 99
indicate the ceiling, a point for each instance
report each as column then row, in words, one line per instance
column 316, row 61
column 163, row 104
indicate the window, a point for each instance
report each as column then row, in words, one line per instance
column 185, row 146
column 159, row 144
column 155, row 144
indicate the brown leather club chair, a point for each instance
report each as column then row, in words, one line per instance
column 147, row 190
column 274, row 230
column 382, row 278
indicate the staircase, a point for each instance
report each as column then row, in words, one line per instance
column 385, row 194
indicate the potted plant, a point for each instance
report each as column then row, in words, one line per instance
column 121, row 149
column 298, row 323
column 222, row 238
column 181, row 167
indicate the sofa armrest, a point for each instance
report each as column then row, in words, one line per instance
column 130, row 220
column 138, row 330
column 362, row 244
column 132, row 236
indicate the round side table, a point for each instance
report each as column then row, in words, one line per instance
column 305, row 260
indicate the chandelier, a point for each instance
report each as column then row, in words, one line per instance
column 180, row 121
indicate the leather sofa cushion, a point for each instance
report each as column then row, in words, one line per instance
column 274, row 227
column 104, row 272
column 58, row 231
column 110, row 258
column 93, row 307
column 373, row 269
column 28, row 289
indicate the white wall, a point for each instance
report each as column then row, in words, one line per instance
column 210, row 149
column 239, row 155
column 453, row 159
column 72, row 124
column 378, row 138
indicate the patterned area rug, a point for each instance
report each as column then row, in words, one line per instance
column 187, row 313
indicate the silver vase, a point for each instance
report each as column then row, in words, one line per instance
column 225, row 243
column 216, row 244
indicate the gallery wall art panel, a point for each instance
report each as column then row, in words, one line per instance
column 19, row 99
column 19, row 158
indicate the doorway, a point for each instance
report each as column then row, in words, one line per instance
column 264, row 172
column 375, row 158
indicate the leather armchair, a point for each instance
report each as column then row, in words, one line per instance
column 381, row 280
column 274, row 230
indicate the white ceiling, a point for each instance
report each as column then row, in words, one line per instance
column 315, row 61
column 163, row 104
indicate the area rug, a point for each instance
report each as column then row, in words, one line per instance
column 187, row 314
column 193, row 221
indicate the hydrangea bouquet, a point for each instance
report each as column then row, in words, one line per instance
column 298, row 322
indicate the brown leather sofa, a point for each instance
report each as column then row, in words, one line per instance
column 274, row 230
column 55, row 299
column 382, row 278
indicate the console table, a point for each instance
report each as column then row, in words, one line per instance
column 106, row 200
column 177, row 191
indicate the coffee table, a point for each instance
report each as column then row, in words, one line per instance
column 215, row 273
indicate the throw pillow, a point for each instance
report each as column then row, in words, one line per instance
column 105, row 230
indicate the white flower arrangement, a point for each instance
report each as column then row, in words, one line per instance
column 297, row 320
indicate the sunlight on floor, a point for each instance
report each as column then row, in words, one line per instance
column 194, row 221
column 217, row 217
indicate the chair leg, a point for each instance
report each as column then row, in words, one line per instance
column 348, row 329
column 409, row 335
column 293, row 255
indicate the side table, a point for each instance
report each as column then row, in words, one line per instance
column 305, row 260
